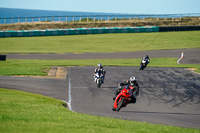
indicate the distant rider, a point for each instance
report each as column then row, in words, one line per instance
column 131, row 83
column 146, row 60
column 100, row 70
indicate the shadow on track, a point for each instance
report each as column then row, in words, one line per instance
column 143, row 112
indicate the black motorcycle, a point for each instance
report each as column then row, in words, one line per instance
column 143, row 64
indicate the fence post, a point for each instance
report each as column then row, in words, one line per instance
column 157, row 18
column 66, row 19
column 73, row 18
column 46, row 19
column 94, row 18
column 108, row 18
column 4, row 20
column 11, row 20
column 199, row 16
column 80, row 19
column 26, row 20
column 19, row 20
column 32, row 19
column 59, row 19
column 87, row 19
column 52, row 19
column 101, row 18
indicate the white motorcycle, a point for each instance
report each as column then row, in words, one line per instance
column 98, row 79
column 143, row 64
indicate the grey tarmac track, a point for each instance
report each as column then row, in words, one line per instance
column 56, row 88
column 191, row 55
column 168, row 95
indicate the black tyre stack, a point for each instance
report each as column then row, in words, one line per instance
column 178, row 28
column 2, row 57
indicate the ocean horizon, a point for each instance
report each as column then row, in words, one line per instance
column 17, row 12
column 15, row 15
column 12, row 15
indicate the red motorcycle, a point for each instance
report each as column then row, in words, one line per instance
column 123, row 98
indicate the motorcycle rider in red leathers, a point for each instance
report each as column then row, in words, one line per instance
column 131, row 83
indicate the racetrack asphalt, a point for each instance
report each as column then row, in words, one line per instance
column 168, row 96
column 190, row 54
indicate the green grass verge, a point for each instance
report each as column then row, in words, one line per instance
column 101, row 42
column 40, row 67
column 32, row 113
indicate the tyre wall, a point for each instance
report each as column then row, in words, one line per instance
column 81, row 31
column 2, row 57
column 178, row 28
column 77, row 31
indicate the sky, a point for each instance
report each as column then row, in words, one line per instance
column 109, row 6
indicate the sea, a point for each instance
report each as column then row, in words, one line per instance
column 12, row 15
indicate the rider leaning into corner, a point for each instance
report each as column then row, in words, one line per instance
column 132, row 84
column 146, row 59
column 100, row 70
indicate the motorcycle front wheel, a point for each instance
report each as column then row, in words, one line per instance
column 120, row 104
column 98, row 83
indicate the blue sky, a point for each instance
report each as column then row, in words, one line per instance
column 109, row 6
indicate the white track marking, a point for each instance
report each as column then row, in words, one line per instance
column 193, row 71
column 69, row 91
column 178, row 60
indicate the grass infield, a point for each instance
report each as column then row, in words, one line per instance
column 101, row 42
column 41, row 67
column 32, row 113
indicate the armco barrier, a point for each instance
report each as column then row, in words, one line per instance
column 77, row 31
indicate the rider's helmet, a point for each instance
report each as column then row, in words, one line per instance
column 147, row 57
column 133, row 80
column 99, row 65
